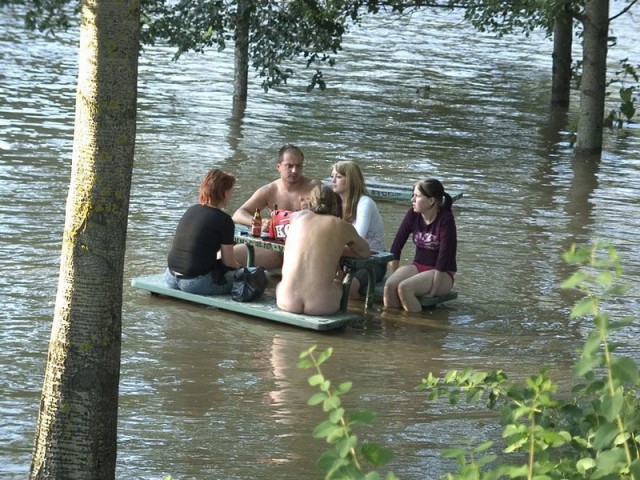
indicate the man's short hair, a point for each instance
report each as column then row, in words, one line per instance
column 289, row 147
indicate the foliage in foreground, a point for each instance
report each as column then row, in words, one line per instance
column 344, row 458
column 592, row 434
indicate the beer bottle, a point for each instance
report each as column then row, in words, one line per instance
column 256, row 223
column 270, row 231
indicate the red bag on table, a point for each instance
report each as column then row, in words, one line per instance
column 279, row 224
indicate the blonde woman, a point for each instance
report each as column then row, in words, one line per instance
column 359, row 209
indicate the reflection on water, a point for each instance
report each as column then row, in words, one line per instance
column 209, row 394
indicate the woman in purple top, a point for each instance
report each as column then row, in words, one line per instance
column 431, row 222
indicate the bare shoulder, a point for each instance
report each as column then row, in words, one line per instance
column 298, row 215
column 312, row 182
column 263, row 195
column 339, row 226
column 269, row 187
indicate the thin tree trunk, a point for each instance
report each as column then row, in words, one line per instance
column 562, row 42
column 241, row 52
column 76, row 428
column 594, row 75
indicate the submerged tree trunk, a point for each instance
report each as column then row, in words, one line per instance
column 241, row 52
column 76, row 428
column 562, row 42
column 594, row 75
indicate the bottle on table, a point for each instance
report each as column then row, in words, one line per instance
column 267, row 225
column 272, row 226
column 256, row 223
column 264, row 232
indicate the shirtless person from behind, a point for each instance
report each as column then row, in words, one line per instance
column 287, row 192
column 315, row 242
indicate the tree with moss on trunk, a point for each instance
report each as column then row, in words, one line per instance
column 76, row 428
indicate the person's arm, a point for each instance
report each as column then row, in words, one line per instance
column 364, row 210
column 438, row 280
column 259, row 199
column 225, row 252
column 227, row 257
column 404, row 230
column 448, row 243
column 358, row 246
column 447, row 251
column 393, row 265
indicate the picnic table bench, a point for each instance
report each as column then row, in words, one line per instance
column 264, row 307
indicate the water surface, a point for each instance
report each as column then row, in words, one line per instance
column 209, row 394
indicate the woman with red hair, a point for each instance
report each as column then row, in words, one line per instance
column 201, row 258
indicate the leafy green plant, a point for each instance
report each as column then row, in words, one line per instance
column 593, row 434
column 626, row 110
column 344, row 458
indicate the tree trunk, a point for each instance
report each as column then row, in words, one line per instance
column 76, row 428
column 594, row 75
column 241, row 52
column 562, row 41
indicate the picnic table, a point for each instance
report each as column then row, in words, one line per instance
column 351, row 264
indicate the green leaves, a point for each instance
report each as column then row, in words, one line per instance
column 343, row 459
column 626, row 110
column 595, row 434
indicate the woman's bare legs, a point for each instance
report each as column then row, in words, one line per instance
column 421, row 284
column 391, row 295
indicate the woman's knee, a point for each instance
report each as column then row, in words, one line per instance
column 390, row 287
column 405, row 287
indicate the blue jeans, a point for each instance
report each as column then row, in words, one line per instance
column 202, row 285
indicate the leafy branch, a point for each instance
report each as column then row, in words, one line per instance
column 593, row 434
column 343, row 460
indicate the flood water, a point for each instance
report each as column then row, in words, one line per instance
column 212, row 395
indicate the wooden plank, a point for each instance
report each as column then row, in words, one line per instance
column 386, row 191
column 265, row 307
column 426, row 302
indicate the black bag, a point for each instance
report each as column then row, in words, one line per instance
column 248, row 283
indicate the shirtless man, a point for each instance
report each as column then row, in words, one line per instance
column 315, row 242
column 287, row 192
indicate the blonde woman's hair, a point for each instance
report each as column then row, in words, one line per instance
column 355, row 188
column 324, row 201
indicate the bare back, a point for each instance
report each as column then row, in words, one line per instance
column 312, row 254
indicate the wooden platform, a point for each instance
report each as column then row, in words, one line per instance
column 386, row 191
column 265, row 307
column 426, row 302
